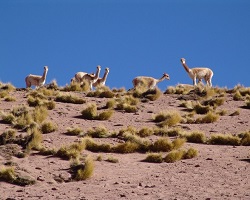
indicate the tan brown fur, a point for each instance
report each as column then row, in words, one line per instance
column 102, row 81
column 36, row 80
column 198, row 73
column 147, row 81
column 90, row 78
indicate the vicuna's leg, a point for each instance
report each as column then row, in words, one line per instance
column 28, row 83
column 194, row 81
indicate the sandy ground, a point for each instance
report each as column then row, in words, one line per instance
column 218, row 172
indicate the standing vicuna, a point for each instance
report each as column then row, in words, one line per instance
column 90, row 78
column 102, row 81
column 36, row 80
column 148, row 82
column 198, row 73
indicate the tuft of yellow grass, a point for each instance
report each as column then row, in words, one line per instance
column 168, row 118
column 86, row 171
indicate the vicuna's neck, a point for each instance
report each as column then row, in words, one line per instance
column 97, row 73
column 160, row 79
column 105, row 75
column 185, row 67
column 44, row 74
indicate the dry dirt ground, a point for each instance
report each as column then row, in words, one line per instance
column 218, row 172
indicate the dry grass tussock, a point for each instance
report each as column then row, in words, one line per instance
column 167, row 118
column 90, row 113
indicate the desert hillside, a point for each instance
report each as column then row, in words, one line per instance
column 69, row 143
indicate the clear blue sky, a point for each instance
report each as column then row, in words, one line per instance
column 131, row 37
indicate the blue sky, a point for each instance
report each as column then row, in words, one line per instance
column 131, row 37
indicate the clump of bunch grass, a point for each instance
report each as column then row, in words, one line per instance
column 210, row 117
column 195, row 137
column 39, row 98
column 111, row 159
column 127, row 147
column 224, row 139
column 174, row 156
column 35, row 101
column 4, row 94
column 179, row 89
column 9, row 175
column 39, row 114
column 168, row 118
column 7, row 136
column 8, row 118
column 47, row 151
column 150, row 94
column 101, row 92
column 177, row 155
column 154, row 158
column 74, row 131
column 110, row 104
column 85, row 171
column 128, row 104
column 72, row 151
column 9, row 98
column 34, row 139
column 190, row 153
column 50, row 88
column 222, row 112
column 165, row 131
column 214, row 102
column 235, row 113
column 7, row 87
column 90, row 113
column 145, row 132
column 69, row 98
column 245, row 138
column 91, row 145
column 164, row 144
column 77, row 87
column 200, row 109
column 23, row 121
column 197, row 107
column 98, row 132
column 48, row 127
column 248, row 104
column 237, row 96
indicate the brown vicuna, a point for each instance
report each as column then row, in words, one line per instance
column 148, row 82
column 198, row 73
column 36, row 80
column 102, row 81
column 80, row 77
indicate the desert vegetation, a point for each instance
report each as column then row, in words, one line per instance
column 76, row 125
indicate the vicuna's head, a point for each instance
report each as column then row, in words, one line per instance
column 183, row 60
column 46, row 68
column 98, row 67
column 73, row 80
column 166, row 76
column 107, row 70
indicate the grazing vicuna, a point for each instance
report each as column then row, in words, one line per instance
column 36, row 80
column 148, row 82
column 198, row 73
column 102, row 81
column 80, row 77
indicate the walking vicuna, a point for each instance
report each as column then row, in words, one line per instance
column 148, row 82
column 198, row 73
column 90, row 78
column 36, row 80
